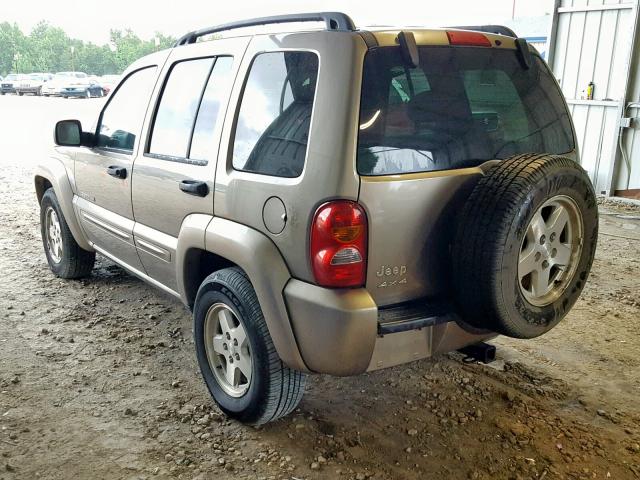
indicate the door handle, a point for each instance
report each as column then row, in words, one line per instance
column 118, row 172
column 194, row 187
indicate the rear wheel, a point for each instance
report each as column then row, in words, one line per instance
column 525, row 244
column 236, row 355
column 65, row 257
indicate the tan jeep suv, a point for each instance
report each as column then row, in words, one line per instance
column 330, row 200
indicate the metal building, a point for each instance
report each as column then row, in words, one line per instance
column 533, row 29
column 596, row 42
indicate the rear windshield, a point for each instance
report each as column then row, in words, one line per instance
column 459, row 108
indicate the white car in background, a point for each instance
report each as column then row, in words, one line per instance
column 52, row 87
column 8, row 84
column 32, row 83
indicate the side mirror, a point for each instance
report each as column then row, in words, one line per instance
column 68, row 133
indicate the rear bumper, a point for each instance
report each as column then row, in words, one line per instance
column 335, row 329
column 27, row 89
column 342, row 332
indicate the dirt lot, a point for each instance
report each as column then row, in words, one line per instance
column 98, row 378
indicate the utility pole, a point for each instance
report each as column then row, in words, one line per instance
column 513, row 10
column 73, row 68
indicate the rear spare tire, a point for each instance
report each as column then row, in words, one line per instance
column 524, row 245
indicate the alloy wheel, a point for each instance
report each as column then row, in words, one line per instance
column 53, row 234
column 550, row 250
column 228, row 350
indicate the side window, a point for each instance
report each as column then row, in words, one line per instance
column 123, row 115
column 275, row 114
column 178, row 107
column 203, row 144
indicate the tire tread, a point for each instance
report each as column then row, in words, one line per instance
column 78, row 262
column 285, row 386
column 483, row 226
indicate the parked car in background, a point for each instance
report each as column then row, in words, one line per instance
column 79, row 84
column 8, row 84
column 109, row 82
column 53, row 86
column 32, row 83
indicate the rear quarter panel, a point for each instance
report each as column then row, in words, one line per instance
column 411, row 225
column 329, row 170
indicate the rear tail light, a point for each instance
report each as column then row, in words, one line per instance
column 472, row 39
column 338, row 248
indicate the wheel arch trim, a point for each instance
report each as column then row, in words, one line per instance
column 261, row 261
column 54, row 175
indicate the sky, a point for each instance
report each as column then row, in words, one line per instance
column 90, row 20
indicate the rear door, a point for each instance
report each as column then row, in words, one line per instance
column 103, row 173
column 174, row 178
column 425, row 136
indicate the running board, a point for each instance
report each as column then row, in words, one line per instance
column 413, row 315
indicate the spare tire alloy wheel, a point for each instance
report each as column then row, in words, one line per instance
column 228, row 350
column 524, row 245
column 550, row 250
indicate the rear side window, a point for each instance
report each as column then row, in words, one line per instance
column 178, row 107
column 121, row 120
column 203, row 144
column 188, row 113
column 460, row 107
column 273, row 124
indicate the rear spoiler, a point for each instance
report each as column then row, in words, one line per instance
column 497, row 29
column 521, row 44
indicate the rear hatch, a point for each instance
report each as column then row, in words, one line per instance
column 426, row 133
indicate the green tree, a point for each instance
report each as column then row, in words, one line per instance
column 12, row 42
column 49, row 49
column 129, row 47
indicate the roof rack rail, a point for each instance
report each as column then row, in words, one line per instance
column 335, row 21
column 498, row 29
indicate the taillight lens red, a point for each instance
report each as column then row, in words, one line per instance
column 473, row 39
column 338, row 248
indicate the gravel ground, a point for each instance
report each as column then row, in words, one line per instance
column 98, row 377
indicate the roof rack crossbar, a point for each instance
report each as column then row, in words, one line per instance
column 335, row 21
column 497, row 29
